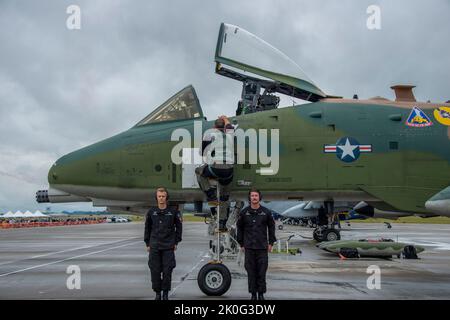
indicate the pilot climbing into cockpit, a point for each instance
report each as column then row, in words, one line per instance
column 218, row 151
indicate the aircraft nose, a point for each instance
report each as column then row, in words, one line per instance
column 57, row 172
column 42, row 195
column 53, row 174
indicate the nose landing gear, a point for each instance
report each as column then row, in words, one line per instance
column 214, row 278
column 326, row 230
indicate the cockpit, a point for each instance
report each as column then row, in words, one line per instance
column 262, row 69
column 183, row 105
column 243, row 56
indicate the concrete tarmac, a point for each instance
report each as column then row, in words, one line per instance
column 112, row 261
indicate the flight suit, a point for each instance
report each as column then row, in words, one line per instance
column 163, row 229
column 255, row 230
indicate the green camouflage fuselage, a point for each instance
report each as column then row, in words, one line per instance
column 405, row 168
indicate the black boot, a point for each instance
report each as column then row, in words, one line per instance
column 165, row 295
column 261, row 296
column 253, row 296
column 158, row 296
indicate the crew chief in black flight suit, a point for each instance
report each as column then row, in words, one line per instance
column 256, row 235
column 163, row 228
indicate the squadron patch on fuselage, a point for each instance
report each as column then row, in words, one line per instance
column 418, row 118
column 442, row 115
column 347, row 149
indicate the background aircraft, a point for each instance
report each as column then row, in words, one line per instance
column 305, row 213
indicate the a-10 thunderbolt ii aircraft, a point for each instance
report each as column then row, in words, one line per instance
column 393, row 155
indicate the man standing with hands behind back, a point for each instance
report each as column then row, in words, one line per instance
column 256, row 235
column 163, row 228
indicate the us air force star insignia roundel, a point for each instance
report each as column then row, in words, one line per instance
column 347, row 149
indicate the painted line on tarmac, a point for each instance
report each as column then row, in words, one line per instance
column 84, row 247
column 187, row 274
column 66, row 259
column 67, row 250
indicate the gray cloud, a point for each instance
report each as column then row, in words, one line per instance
column 61, row 90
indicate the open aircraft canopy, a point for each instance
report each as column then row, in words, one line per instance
column 252, row 58
column 183, row 105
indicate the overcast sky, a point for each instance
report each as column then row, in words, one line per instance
column 63, row 89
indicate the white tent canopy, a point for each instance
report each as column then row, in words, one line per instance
column 9, row 214
column 27, row 214
column 38, row 213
